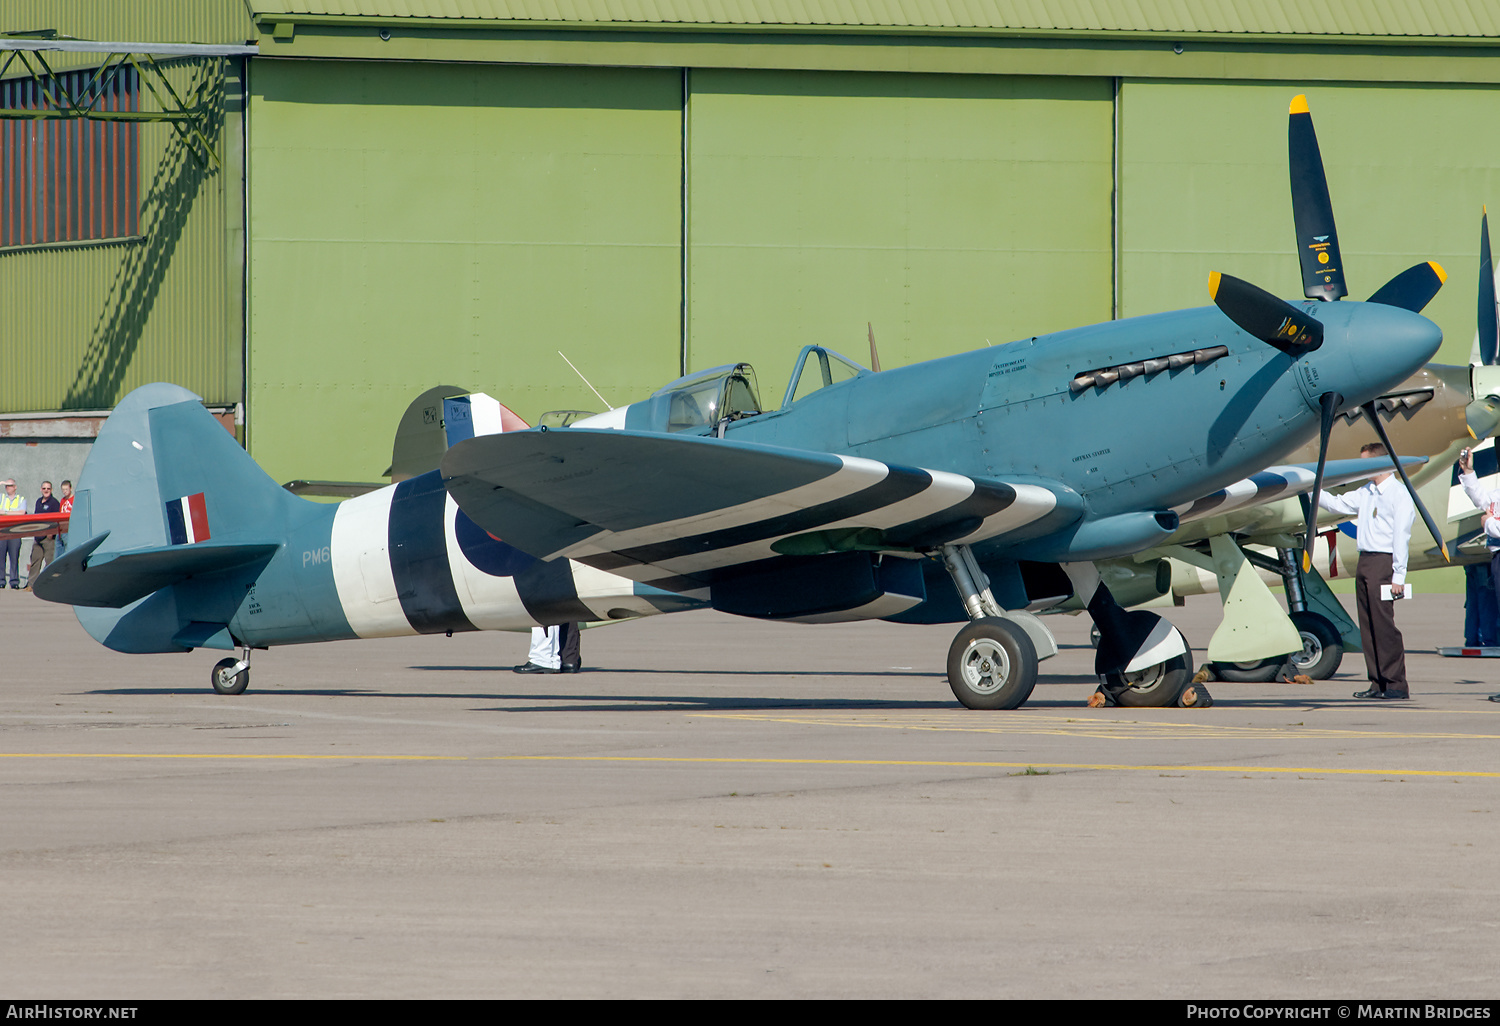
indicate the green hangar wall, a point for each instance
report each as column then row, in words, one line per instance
column 435, row 192
column 643, row 222
column 417, row 223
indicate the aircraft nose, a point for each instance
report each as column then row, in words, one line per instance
column 1368, row 349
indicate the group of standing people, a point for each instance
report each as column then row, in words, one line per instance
column 44, row 548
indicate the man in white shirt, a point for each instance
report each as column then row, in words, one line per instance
column 1384, row 514
column 1489, row 506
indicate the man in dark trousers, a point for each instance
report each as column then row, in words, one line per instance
column 42, row 545
column 1489, row 508
column 1384, row 514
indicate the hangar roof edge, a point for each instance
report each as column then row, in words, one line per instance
column 1402, row 20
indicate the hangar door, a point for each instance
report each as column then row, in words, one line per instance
column 1204, row 187
column 947, row 210
column 413, row 224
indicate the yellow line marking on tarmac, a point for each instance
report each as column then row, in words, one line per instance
column 233, row 755
column 1067, row 726
column 752, row 761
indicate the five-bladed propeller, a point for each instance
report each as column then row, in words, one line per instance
column 1296, row 332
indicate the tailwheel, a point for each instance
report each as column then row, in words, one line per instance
column 992, row 665
column 230, row 676
column 1154, row 687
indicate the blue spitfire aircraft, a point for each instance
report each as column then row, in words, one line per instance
column 1008, row 470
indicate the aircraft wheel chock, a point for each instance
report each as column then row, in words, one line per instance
column 1322, row 648
column 225, row 684
column 992, row 665
column 1155, row 687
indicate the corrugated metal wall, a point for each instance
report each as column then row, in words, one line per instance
column 88, row 322
column 156, row 21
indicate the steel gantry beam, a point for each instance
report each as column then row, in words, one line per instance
column 82, row 99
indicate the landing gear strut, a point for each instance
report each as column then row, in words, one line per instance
column 1322, row 648
column 992, row 664
column 231, row 676
column 1141, row 659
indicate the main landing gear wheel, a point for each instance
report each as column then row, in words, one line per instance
column 1155, row 687
column 1322, row 652
column 1322, row 648
column 992, row 665
column 225, row 681
column 1255, row 671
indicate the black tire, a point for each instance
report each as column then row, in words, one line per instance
column 225, row 684
column 1322, row 648
column 992, row 665
column 1154, row 688
column 1250, row 673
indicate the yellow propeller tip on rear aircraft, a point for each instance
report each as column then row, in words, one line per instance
column 1306, row 561
column 1213, row 284
column 1437, row 269
column 1299, row 105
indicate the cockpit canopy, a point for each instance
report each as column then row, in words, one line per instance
column 709, row 397
column 817, row 368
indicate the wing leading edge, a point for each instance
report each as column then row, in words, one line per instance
column 677, row 512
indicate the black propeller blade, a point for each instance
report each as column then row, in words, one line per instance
column 1312, row 210
column 1487, row 325
column 1432, row 527
column 1261, row 314
column 1331, row 402
column 1413, row 288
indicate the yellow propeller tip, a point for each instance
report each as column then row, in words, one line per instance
column 1438, row 270
column 1306, row 562
column 1213, row 284
column 1299, row 105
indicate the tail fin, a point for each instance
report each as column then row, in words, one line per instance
column 167, row 495
column 435, row 420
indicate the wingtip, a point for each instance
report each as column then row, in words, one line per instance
column 1299, row 105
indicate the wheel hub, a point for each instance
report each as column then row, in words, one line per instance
column 1312, row 651
column 986, row 666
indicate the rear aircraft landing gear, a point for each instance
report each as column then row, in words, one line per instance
column 231, row 676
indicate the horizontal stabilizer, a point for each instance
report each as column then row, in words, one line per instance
column 116, row 579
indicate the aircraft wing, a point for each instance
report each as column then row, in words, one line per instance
column 1283, row 482
column 673, row 511
column 30, row 525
